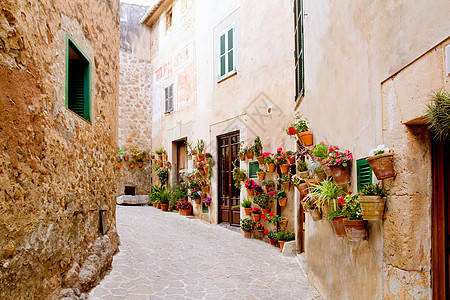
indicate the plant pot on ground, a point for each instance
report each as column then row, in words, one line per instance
column 283, row 237
column 381, row 161
column 372, row 199
column 272, row 236
column 184, row 208
column 164, row 206
column 247, row 226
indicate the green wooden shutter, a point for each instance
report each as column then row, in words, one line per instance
column 364, row 173
column 230, row 50
column 252, row 168
column 76, row 87
column 205, row 209
column 299, row 55
column 222, row 56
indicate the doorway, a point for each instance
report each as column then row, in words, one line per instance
column 441, row 220
column 181, row 163
column 228, row 149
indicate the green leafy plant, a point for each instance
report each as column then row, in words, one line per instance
column 246, row 203
column 210, row 162
column 238, row 176
column 289, row 152
column 274, row 219
column 280, row 195
column 120, row 151
column 438, row 115
column 283, row 179
column 160, row 151
column 302, row 166
column 200, row 146
column 247, row 224
column 335, row 214
column 163, row 175
column 321, row 151
column 179, row 193
column 301, row 125
column 308, row 202
column 272, row 235
column 258, row 147
column 155, row 194
column 373, row 190
column 259, row 170
column 262, row 200
column 268, row 183
column 327, row 192
column 285, row 235
column 338, row 158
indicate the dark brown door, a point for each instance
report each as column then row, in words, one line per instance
column 228, row 148
column 441, row 220
column 181, row 159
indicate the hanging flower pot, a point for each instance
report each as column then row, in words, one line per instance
column 306, row 137
column 261, row 175
column 131, row 165
column 338, row 226
column 242, row 157
column 206, row 169
column 271, row 167
column 372, row 207
column 291, row 159
column 205, row 189
column 283, row 223
column 126, row 157
column 282, row 201
column 260, row 159
column 201, row 172
column 316, row 214
column 341, row 175
column 164, row 207
column 302, row 188
column 160, row 163
column 281, row 245
column 119, row 164
column 164, row 156
column 250, row 192
column 247, row 234
column 286, row 185
column 198, row 201
column 325, row 167
column 248, row 211
column 197, row 175
column 284, row 168
column 266, row 211
column 140, row 164
column 356, row 230
column 153, row 161
column 256, row 217
column 382, row 165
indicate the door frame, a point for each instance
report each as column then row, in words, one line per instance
column 219, row 190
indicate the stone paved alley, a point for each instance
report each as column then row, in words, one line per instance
column 167, row 256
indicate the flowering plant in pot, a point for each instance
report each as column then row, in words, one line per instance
column 321, row 153
column 354, row 225
column 258, row 148
column 256, row 214
column 196, row 195
column 241, row 154
column 302, row 168
column 372, row 198
column 252, row 187
column 290, row 157
column 207, row 201
column 281, row 197
column 302, row 130
column 276, row 220
column 268, row 184
column 249, row 152
column 269, row 161
column 300, row 184
column 184, row 207
column 381, row 161
column 337, row 221
column 238, row 176
column 260, row 229
column 263, row 201
column 339, row 163
column 284, row 181
column 200, row 148
column 272, row 236
column 281, row 161
column 247, row 226
column 284, row 236
column 201, row 168
column 310, row 206
column 261, row 174
column 246, row 204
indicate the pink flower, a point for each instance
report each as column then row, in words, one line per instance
column 330, row 149
column 336, row 154
column 339, row 160
column 271, row 193
column 347, row 152
column 349, row 157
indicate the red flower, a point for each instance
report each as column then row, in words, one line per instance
column 263, row 216
column 292, row 131
column 267, row 219
column 266, row 231
column 341, row 200
column 279, row 149
column 350, row 192
column 271, row 214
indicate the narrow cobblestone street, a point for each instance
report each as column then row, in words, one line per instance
column 167, row 256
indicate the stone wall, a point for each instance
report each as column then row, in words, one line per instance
column 135, row 105
column 56, row 169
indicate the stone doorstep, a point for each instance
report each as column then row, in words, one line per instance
column 133, row 200
column 289, row 248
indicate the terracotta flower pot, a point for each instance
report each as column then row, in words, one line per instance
column 282, row 201
column 168, row 164
column 152, row 156
column 316, row 214
column 284, row 168
column 302, row 188
column 185, row 212
column 341, row 175
column 260, row 159
column 372, row 207
column 266, row 211
column 338, row 226
column 250, row 192
column 261, row 175
column 126, row 157
column 382, row 165
column 283, row 223
column 281, row 245
column 249, row 154
column 306, row 137
column 247, row 234
column 356, row 230
column 304, row 174
column 119, row 165
column 247, row 211
column 260, row 234
column 160, row 156
column 286, row 185
column 325, row 167
column 329, row 207
column 311, row 181
column 200, row 156
column 158, row 205
column 160, row 163
column 131, row 165
column 140, row 164
column 256, row 217
column 273, row 242
column 153, row 161
column 291, row 159
column 242, row 156
column 206, row 170
column 198, row 201
column 164, row 156
column 164, row 207
column 197, row 175
column 271, row 167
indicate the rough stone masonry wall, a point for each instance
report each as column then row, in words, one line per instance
column 56, row 169
column 135, row 108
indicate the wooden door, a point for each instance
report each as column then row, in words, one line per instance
column 441, row 220
column 228, row 149
column 181, row 159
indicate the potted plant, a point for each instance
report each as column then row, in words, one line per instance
column 190, row 148
column 238, row 176
column 184, row 208
column 258, row 148
column 201, row 168
column 337, row 221
column 290, row 157
column 372, row 198
column 120, row 154
column 249, row 152
column 207, row 201
column 268, row 184
column 326, row 194
column 317, row 170
column 321, row 153
column 302, row 130
column 131, row 164
column 260, row 229
column 355, row 226
column 164, row 198
column 310, row 206
column 272, row 236
column 281, row 197
column 163, row 176
column 204, row 186
column 160, row 152
column 339, row 163
column 284, row 181
column 200, row 148
column 274, row 219
column 263, row 201
column 168, row 164
column 311, row 181
column 284, row 236
column 269, row 161
column 256, row 214
column 196, row 173
column 159, row 163
column 247, row 205
column 252, row 187
column 281, row 160
column 438, row 115
column 381, row 160
column 196, row 195
column 261, row 174
column 300, row 184
column 302, row 168
column 242, row 154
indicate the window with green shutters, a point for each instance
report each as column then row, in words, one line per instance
column 252, row 169
column 364, row 172
column 77, row 80
column 227, row 61
column 299, row 55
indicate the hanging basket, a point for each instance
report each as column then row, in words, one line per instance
column 372, row 207
column 248, row 211
column 338, row 226
column 341, row 175
column 302, row 188
column 382, row 165
column 286, row 185
column 271, row 167
column 256, row 217
column 284, row 168
column 306, row 137
column 249, row 154
column 261, row 175
column 282, row 201
column 356, row 230
column 260, row 159
column 283, row 223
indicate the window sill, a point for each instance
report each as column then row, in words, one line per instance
column 227, row 76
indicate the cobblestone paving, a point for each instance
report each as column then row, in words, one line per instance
column 164, row 255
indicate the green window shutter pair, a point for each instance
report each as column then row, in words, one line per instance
column 364, row 172
column 252, row 168
column 226, row 53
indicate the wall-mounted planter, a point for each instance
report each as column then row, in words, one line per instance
column 372, row 207
column 306, row 137
column 271, row 167
column 282, row 201
column 316, row 214
column 248, row 211
column 260, row 159
column 341, row 175
column 356, row 230
column 284, row 222
column 249, row 154
column 284, row 168
column 302, row 188
column 338, row 226
column 382, row 165
column 261, row 175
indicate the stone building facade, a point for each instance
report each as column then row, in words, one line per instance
column 57, row 167
column 135, row 107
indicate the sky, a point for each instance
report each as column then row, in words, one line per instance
column 139, row 2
